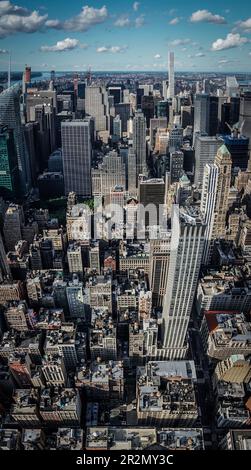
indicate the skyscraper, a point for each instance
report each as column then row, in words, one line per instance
column 10, row 116
column 159, row 262
column 171, row 84
column 207, row 206
column 224, row 164
column 187, row 242
column 76, row 146
column 9, row 177
column 245, row 115
column 201, row 113
column 205, row 150
column 96, row 105
column 139, row 142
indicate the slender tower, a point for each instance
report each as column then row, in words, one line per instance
column 9, row 71
column 170, row 93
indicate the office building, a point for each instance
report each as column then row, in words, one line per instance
column 9, row 174
column 76, row 146
column 97, row 106
column 208, row 204
column 224, row 164
column 13, row 221
column 187, row 243
column 159, row 263
column 201, row 113
column 11, row 117
column 238, row 147
column 205, row 151
column 139, row 142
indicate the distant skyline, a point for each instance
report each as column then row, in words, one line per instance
column 135, row 36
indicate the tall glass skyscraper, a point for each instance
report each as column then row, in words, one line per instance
column 10, row 116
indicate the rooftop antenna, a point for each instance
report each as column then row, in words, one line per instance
column 9, row 71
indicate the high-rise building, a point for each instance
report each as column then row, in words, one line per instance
column 76, row 147
column 187, row 242
column 132, row 177
column 151, row 192
column 245, row 115
column 205, row 150
column 171, row 83
column 9, row 175
column 155, row 124
column 232, row 87
column 238, row 146
column 4, row 267
column 147, row 106
column 10, row 116
column 13, row 221
column 224, row 164
column 208, row 202
column 176, row 165
column 159, row 262
column 213, row 121
column 97, row 106
column 201, row 113
column 139, row 142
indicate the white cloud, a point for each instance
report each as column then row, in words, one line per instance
column 180, row 42
column 246, row 25
column 232, row 40
column 111, row 49
column 199, row 54
column 174, row 21
column 6, row 7
column 140, row 21
column 125, row 22
column 136, row 6
column 205, row 16
column 224, row 61
column 67, row 44
column 122, row 22
column 157, row 56
column 87, row 18
column 3, row 51
column 15, row 19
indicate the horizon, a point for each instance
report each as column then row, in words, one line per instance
column 108, row 36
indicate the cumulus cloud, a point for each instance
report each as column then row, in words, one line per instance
column 125, row 22
column 67, row 44
column 246, row 25
column 205, row 16
column 87, row 18
column 122, row 21
column 136, row 6
column 111, row 49
column 232, row 40
column 157, row 56
column 140, row 21
column 180, row 42
column 174, row 21
column 15, row 19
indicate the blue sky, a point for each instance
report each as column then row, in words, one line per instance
column 118, row 35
